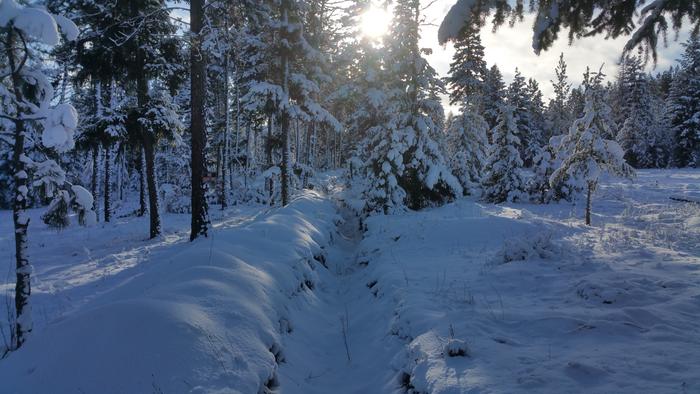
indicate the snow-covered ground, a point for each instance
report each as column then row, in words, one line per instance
column 537, row 301
column 169, row 316
column 469, row 297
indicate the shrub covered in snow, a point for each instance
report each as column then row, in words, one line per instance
column 537, row 246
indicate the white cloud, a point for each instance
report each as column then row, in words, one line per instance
column 512, row 47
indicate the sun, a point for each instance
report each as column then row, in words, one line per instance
column 375, row 22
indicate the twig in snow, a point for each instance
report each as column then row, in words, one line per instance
column 344, row 329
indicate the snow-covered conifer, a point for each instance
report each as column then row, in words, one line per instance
column 406, row 167
column 28, row 116
column 585, row 151
column 467, row 148
column 504, row 179
column 683, row 108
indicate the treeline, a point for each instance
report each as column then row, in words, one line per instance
column 652, row 117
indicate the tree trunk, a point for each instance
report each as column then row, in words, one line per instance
column 307, row 158
column 200, row 220
column 141, row 168
column 23, row 289
column 154, row 212
column 588, row 203
column 269, row 157
column 284, row 116
column 94, row 182
column 107, row 180
column 284, row 167
column 225, row 150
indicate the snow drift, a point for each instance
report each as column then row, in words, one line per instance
column 207, row 317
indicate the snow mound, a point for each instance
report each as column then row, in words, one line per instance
column 208, row 316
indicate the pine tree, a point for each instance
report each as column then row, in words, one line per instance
column 637, row 136
column 504, row 180
column 558, row 116
column 586, row 153
column 200, row 216
column 536, row 110
column 25, row 98
column 493, row 97
column 405, row 166
column 544, row 164
column 683, row 107
column 467, row 148
column 518, row 97
column 160, row 121
column 468, row 69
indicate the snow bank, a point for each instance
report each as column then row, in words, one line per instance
column 203, row 317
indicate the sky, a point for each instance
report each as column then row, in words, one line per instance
column 511, row 47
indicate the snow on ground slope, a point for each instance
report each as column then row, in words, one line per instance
column 469, row 297
column 194, row 317
column 523, row 298
column 72, row 265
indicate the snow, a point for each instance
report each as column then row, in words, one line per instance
column 177, row 316
column 69, row 29
column 33, row 21
column 59, row 128
column 468, row 297
column 83, row 197
column 572, row 309
column 457, row 17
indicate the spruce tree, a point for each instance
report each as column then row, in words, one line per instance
column 585, row 151
column 518, row 97
column 467, row 72
column 406, row 167
column 558, row 116
column 467, row 148
column 637, row 136
column 504, row 179
column 683, row 107
column 493, row 97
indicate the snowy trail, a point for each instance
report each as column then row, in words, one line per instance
column 315, row 352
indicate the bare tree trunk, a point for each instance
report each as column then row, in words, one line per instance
column 297, row 141
column 588, row 203
column 94, row 182
column 284, row 116
column 150, row 142
column 269, row 156
column 200, row 221
column 225, row 159
column 23, row 289
column 141, row 168
column 312, row 148
column 307, row 159
column 107, row 180
column 284, row 167
column 154, row 212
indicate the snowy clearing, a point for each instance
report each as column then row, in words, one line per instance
column 469, row 297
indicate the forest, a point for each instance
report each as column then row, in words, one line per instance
column 285, row 196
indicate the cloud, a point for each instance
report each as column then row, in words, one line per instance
column 512, row 47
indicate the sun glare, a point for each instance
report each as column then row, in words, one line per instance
column 375, row 22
